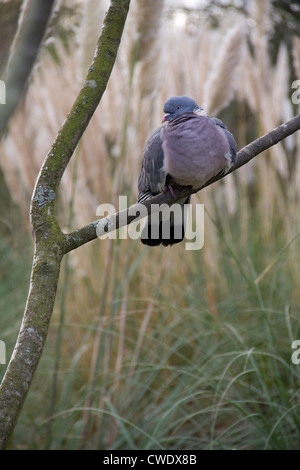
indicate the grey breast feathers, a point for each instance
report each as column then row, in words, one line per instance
column 231, row 140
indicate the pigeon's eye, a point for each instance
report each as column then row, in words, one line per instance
column 178, row 107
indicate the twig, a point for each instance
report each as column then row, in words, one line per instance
column 33, row 23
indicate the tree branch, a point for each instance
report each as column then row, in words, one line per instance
column 33, row 23
column 110, row 223
column 48, row 237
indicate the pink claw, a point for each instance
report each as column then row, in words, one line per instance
column 169, row 187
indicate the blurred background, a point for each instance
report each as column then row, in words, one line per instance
column 161, row 348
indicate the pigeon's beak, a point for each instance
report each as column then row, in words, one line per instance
column 165, row 118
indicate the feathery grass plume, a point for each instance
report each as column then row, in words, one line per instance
column 278, row 97
column 250, row 80
column 222, row 80
column 279, row 87
column 296, row 56
column 93, row 12
column 260, row 11
column 266, row 87
column 205, row 37
column 230, row 192
column 297, row 167
column 144, row 39
column 271, row 83
column 35, row 124
column 261, row 14
column 296, row 64
column 281, row 99
column 211, row 254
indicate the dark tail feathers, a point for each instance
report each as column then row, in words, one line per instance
column 168, row 226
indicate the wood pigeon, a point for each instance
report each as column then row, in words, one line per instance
column 189, row 150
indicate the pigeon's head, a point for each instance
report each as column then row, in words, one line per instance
column 177, row 105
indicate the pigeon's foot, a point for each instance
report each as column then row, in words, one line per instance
column 169, row 187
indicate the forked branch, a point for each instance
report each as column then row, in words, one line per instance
column 49, row 241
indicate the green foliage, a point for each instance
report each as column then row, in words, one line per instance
column 193, row 378
column 15, row 262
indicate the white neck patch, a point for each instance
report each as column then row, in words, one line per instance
column 200, row 112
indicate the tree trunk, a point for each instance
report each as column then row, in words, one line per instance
column 49, row 241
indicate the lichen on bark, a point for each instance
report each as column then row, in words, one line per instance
column 49, row 240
